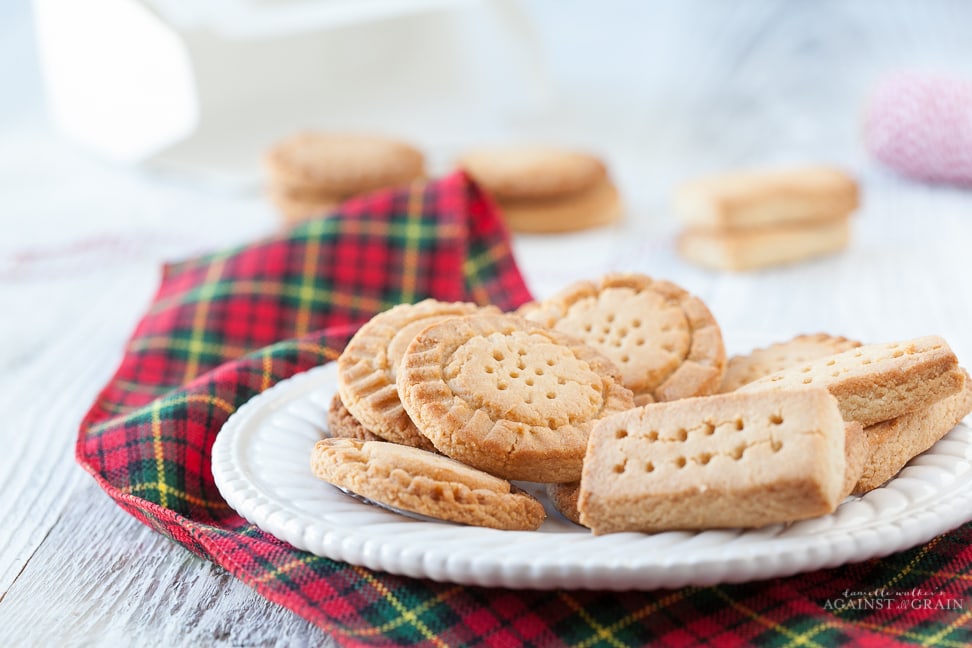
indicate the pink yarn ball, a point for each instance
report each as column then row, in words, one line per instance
column 920, row 125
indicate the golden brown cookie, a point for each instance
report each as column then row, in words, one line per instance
column 507, row 395
column 297, row 208
column 368, row 366
column 338, row 165
column 564, row 499
column 425, row 483
column 341, row 424
column 877, row 382
column 743, row 369
column 665, row 341
column 730, row 460
column 754, row 198
column 532, row 173
column 894, row 443
column 543, row 190
column 741, row 250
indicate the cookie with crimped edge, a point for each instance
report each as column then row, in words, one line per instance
column 342, row 424
column 663, row 339
column 369, row 364
column 743, row 369
column 877, row 382
column 425, row 483
column 507, row 395
column 730, row 460
column 761, row 198
column 892, row 444
column 564, row 496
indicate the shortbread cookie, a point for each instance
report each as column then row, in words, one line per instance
column 564, row 496
column 543, row 190
column 341, row 164
column 507, row 395
column 877, row 382
column 368, row 367
column 297, row 208
column 743, row 369
column 533, row 173
column 599, row 205
column 749, row 199
column 731, row 460
column 751, row 249
column 422, row 482
column 894, row 443
column 564, row 499
column 856, row 451
column 341, row 424
column 664, row 340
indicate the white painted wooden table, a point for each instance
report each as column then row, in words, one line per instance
column 663, row 90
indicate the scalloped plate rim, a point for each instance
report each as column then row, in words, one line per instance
column 445, row 554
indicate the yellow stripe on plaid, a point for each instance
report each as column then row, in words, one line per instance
column 476, row 265
column 131, row 489
column 796, row 639
column 284, row 568
column 196, row 342
column 638, row 615
column 412, row 238
column 602, row 632
column 406, row 614
column 907, row 634
column 803, row 638
column 935, row 639
column 417, row 229
column 307, row 289
column 159, row 454
column 400, row 620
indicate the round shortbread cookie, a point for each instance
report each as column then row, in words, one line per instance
column 508, row 396
column 341, row 164
column 564, row 499
column 422, row 482
column 342, row 424
column 664, row 340
column 368, row 366
column 532, row 173
column 297, row 208
column 598, row 205
column 744, row 369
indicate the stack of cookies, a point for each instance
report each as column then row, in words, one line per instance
column 310, row 173
column 749, row 220
column 544, row 189
column 617, row 395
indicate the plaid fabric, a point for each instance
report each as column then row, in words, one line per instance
column 211, row 341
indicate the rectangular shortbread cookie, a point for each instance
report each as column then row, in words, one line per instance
column 731, row 460
column 751, row 249
column 877, row 382
column 746, row 199
column 894, row 443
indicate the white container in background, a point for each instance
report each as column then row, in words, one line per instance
column 206, row 86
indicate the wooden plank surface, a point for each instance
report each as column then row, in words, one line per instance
column 664, row 90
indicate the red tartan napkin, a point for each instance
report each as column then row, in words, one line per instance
column 226, row 326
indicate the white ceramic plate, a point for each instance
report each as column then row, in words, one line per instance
column 261, row 463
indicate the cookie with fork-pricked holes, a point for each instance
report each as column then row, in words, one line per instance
column 743, row 369
column 877, row 382
column 729, row 460
column 425, row 483
column 508, row 396
column 663, row 339
column 368, row 366
column 892, row 444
